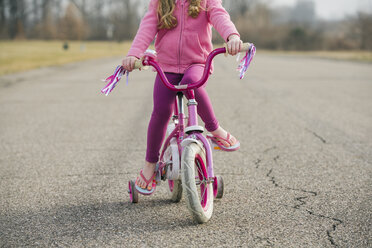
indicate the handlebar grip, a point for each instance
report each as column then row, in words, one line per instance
column 245, row 47
column 138, row 64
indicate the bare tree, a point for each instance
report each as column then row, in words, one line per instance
column 46, row 27
column 125, row 19
column 283, row 28
column 238, row 8
column 81, row 5
column 3, row 29
column 35, row 8
column 17, row 19
column 304, row 12
column 72, row 25
column 364, row 26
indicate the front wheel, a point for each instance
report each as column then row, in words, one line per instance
column 198, row 189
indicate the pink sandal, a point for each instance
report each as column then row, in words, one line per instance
column 218, row 145
column 145, row 191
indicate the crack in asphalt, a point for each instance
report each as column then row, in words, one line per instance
column 334, row 226
column 302, row 200
column 276, row 159
column 258, row 163
column 317, row 135
column 269, row 149
column 272, row 179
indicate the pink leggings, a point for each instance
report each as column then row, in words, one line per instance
column 164, row 104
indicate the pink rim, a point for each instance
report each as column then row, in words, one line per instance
column 171, row 185
column 202, row 174
column 130, row 191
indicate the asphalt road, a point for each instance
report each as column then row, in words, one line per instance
column 302, row 177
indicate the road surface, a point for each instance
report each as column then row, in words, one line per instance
column 302, row 177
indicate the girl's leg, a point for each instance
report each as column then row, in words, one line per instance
column 163, row 99
column 205, row 108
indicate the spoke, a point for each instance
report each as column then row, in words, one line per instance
column 201, row 181
column 200, row 172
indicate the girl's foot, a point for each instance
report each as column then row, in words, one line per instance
column 148, row 171
column 228, row 140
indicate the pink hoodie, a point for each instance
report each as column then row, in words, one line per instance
column 189, row 42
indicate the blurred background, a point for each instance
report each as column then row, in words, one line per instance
column 296, row 25
column 275, row 24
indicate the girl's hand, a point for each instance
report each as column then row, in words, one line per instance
column 128, row 63
column 234, row 44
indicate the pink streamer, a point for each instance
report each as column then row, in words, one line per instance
column 246, row 61
column 114, row 79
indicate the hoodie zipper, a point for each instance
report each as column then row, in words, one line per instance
column 180, row 40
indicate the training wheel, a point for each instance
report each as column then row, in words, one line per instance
column 218, row 187
column 133, row 194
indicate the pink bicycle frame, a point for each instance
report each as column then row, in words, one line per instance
column 179, row 130
column 150, row 61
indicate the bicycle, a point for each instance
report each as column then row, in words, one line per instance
column 186, row 157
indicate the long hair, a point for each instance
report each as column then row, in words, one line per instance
column 165, row 12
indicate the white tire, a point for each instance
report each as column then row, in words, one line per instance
column 199, row 198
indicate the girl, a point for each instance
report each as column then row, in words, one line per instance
column 183, row 31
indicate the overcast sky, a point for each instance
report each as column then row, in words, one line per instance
column 334, row 9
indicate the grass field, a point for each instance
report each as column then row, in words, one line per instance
column 25, row 55
column 18, row 56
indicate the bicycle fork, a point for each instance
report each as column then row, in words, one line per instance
column 193, row 130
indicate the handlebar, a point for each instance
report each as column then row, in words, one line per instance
column 245, row 47
column 150, row 61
